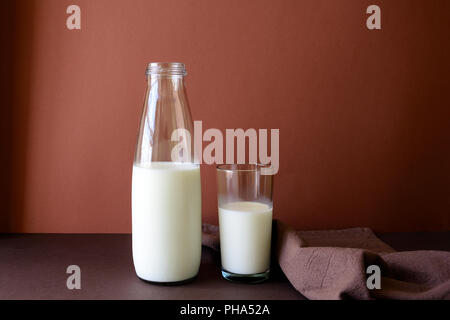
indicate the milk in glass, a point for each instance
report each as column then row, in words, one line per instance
column 245, row 236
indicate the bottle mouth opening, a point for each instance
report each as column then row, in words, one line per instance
column 166, row 69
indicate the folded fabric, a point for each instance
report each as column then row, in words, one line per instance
column 333, row 264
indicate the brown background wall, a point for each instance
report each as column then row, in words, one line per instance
column 363, row 115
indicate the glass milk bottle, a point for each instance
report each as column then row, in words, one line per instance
column 166, row 189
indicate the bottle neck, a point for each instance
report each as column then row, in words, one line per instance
column 165, row 85
column 166, row 76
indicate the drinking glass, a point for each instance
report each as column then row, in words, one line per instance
column 245, row 221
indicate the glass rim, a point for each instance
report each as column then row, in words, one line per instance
column 166, row 69
column 228, row 167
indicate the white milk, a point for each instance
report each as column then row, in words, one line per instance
column 166, row 219
column 245, row 233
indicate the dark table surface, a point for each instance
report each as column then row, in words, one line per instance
column 33, row 266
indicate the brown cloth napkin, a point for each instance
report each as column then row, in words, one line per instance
column 332, row 264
